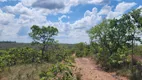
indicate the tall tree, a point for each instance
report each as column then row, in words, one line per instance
column 44, row 35
column 117, row 34
column 133, row 22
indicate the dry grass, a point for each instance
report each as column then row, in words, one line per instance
column 24, row 72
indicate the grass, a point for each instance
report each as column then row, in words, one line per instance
column 24, row 72
column 124, row 72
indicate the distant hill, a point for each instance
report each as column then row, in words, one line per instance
column 7, row 45
column 11, row 44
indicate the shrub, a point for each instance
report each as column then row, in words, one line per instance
column 58, row 71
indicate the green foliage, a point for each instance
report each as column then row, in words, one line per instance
column 24, row 55
column 60, row 55
column 138, row 50
column 111, row 39
column 59, row 71
column 15, row 56
column 137, row 74
column 44, row 36
column 82, row 49
column 118, row 59
column 57, row 53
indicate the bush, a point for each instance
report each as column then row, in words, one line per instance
column 137, row 74
column 58, row 71
column 57, row 53
column 117, row 60
column 83, row 50
column 16, row 56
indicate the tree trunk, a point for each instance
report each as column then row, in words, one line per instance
column 43, row 50
column 132, row 56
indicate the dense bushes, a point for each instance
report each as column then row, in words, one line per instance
column 138, row 50
column 59, row 56
column 15, row 56
column 57, row 53
column 116, row 60
column 113, row 39
column 137, row 75
column 83, row 50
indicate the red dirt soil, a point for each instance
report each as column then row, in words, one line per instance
column 90, row 71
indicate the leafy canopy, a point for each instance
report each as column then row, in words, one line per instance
column 43, row 35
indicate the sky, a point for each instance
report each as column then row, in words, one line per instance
column 72, row 17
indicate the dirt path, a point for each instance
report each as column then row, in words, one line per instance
column 90, row 71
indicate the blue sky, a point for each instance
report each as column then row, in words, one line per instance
column 72, row 17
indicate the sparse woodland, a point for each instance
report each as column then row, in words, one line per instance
column 115, row 45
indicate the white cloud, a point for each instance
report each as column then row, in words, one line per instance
column 95, row 1
column 27, row 3
column 124, row 6
column 78, row 28
column 8, row 26
column 105, row 10
column 26, row 15
column 120, row 9
column 6, row 18
column 139, row 7
column 62, row 6
column 49, row 4
column 63, row 16
column 18, row 9
column 79, row 35
column 62, row 27
column 76, row 32
column 68, row 32
column 90, row 19
column 112, row 15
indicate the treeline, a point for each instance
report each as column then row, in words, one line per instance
column 4, row 46
column 7, row 41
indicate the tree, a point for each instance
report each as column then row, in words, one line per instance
column 133, row 22
column 114, row 36
column 44, row 35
